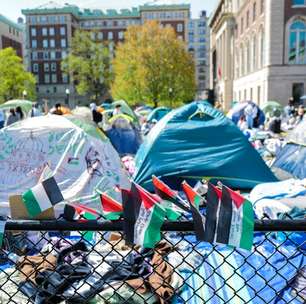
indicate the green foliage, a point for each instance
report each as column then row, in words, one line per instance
column 153, row 66
column 14, row 79
column 88, row 65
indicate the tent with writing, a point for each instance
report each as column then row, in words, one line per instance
column 80, row 158
column 197, row 141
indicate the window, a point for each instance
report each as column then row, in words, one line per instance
column 54, row 89
column 45, row 43
column 33, row 20
column 298, row 2
column 247, row 19
column 241, row 25
column 53, row 55
column 297, row 91
column 65, row 78
column 43, row 19
column 100, row 36
column 254, row 54
column 179, row 27
column 62, row 19
column 121, row 35
column 63, row 43
column 93, row 35
column 33, row 32
column 47, row 78
column 51, row 31
column 262, row 48
column 64, row 54
column 34, row 43
column 54, row 78
column 297, row 38
column 110, row 36
column 258, row 95
column 53, row 67
column 52, row 43
column 63, row 31
column 254, row 11
column 34, row 55
column 44, row 31
column 46, row 67
column 262, row 6
column 251, row 94
column 35, row 68
column 45, row 55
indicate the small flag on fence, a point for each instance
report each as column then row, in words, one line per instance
column 149, row 221
column 42, row 197
column 80, row 212
column 213, row 201
column 192, row 196
column 229, row 219
column 166, row 193
column 172, row 211
column 144, row 225
column 112, row 209
column 236, row 220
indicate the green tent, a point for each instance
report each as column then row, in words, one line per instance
column 197, row 141
column 25, row 105
column 125, row 109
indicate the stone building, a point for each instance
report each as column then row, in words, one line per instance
column 11, row 35
column 264, row 54
column 50, row 28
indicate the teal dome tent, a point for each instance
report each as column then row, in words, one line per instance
column 197, row 141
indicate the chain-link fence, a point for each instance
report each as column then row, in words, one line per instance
column 50, row 262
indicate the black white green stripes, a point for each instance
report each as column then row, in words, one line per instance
column 42, row 197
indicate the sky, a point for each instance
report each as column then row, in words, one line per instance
column 12, row 8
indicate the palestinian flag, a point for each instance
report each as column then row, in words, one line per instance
column 213, row 201
column 235, row 224
column 42, row 197
column 112, row 210
column 192, row 196
column 2, row 229
column 80, row 212
column 166, row 193
column 172, row 211
column 149, row 221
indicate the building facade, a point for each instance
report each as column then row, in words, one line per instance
column 50, row 28
column 11, row 35
column 266, row 53
column 198, row 44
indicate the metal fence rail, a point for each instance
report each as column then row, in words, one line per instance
column 88, row 262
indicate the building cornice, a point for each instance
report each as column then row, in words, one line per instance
column 11, row 23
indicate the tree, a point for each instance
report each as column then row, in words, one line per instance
column 89, row 65
column 153, row 65
column 14, row 79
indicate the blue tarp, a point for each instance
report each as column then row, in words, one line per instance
column 292, row 159
column 238, row 276
column 197, row 141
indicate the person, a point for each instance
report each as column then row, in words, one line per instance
column 289, row 109
column 145, row 128
column 19, row 113
column 250, row 113
column 117, row 110
column 242, row 123
column 2, row 119
column 275, row 123
column 58, row 110
column 300, row 114
column 12, row 118
column 96, row 116
column 34, row 112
